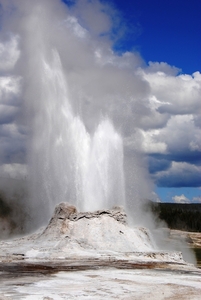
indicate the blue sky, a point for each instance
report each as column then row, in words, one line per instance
column 167, row 31
column 149, row 84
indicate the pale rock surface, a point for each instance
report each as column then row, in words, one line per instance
column 111, row 260
column 100, row 230
column 91, row 239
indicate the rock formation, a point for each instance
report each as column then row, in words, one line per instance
column 98, row 230
column 74, row 240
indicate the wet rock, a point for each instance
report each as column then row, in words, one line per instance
column 64, row 210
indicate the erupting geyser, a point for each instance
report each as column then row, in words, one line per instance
column 67, row 162
column 78, row 105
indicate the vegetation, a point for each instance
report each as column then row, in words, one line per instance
column 179, row 216
column 13, row 214
column 5, row 209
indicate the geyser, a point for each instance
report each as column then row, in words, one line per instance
column 67, row 162
column 80, row 101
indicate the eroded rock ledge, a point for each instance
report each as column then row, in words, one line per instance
column 66, row 211
column 101, row 230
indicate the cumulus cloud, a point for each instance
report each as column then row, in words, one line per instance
column 93, row 15
column 9, row 52
column 163, row 67
column 180, row 199
column 9, row 89
column 174, row 92
column 180, row 174
column 151, row 142
column 12, row 138
column 181, row 130
column 196, row 199
column 14, row 170
column 155, row 197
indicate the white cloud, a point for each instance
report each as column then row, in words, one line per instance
column 151, row 143
column 7, row 113
column 9, row 53
column 180, row 174
column 177, row 94
column 13, row 143
column 181, row 133
column 196, row 199
column 180, row 199
column 79, row 31
column 163, row 67
column 17, row 171
column 155, row 197
column 93, row 15
column 179, row 167
column 154, row 103
column 9, row 87
column 12, row 140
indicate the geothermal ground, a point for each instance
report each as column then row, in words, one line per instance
column 93, row 255
column 103, row 284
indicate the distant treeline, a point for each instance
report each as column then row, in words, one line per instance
column 13, row 212
column 185, row 217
